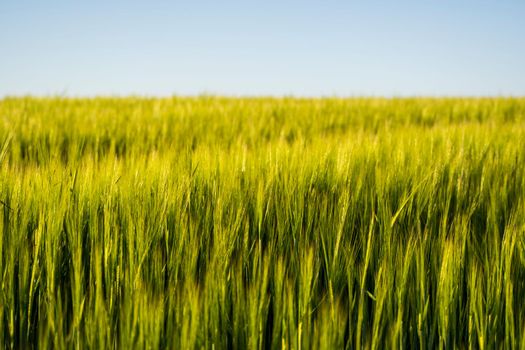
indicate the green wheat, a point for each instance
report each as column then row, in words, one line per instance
column 262, row 223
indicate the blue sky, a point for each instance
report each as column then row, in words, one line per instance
column 302, row 48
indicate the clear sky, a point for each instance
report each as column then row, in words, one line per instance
column 271, row 47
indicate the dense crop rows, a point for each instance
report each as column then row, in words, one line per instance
column 262, row 223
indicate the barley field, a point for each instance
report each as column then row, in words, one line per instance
column 262, row 223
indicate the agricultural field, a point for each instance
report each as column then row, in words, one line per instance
column 262, row 223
